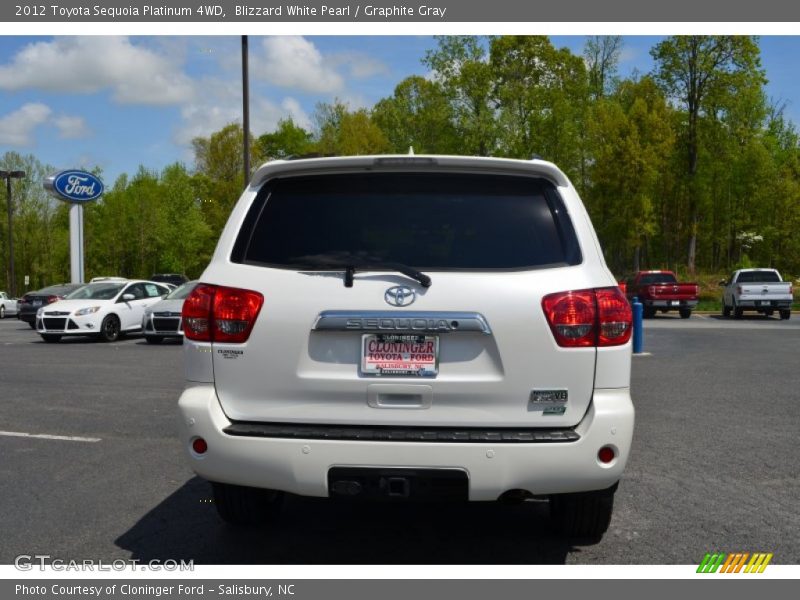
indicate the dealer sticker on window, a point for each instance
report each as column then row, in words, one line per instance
column 400, row 355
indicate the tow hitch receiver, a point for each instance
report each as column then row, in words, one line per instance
column 398, row 485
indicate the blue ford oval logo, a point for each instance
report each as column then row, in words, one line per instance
column 77, row 186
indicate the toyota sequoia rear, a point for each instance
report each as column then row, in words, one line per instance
column 408, row 328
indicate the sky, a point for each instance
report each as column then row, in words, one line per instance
column 122, row 102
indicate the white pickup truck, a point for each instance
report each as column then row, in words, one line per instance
column 8, row 306
column 761, row 290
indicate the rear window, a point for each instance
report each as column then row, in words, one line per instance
column 758, row 277
column 653, row 278
column 427, row 221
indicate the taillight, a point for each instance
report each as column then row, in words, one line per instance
column 614, row 316
column 235, row 313
column 22, row 300
column 51, row 299
column 739, row 290
column 572, row 317
column 584, row 318
column 214, row 313
column 652, row 290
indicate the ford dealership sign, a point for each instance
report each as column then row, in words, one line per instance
column 75, row 186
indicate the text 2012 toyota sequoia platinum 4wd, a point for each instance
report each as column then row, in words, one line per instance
column 409, row 327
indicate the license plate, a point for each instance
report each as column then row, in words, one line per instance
column 675, row 303
column 400, row 355
column 36, row 303
column 765, row 303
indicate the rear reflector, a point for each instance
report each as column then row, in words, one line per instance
column 199, row 445
column 220, row 314
column 588, row 318
column 606, row 454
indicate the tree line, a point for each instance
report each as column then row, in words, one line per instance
column 690, row 167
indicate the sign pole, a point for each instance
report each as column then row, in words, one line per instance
column 77, row 188
column 76, row 242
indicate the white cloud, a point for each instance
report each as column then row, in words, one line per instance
column 358, row 64
column 294, row 62
column 299, row 116
column 71, row 128
column 135, row 74
column 17, row 128
column 220, row 104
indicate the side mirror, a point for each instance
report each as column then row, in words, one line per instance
column 723, row 282
column 128, row 297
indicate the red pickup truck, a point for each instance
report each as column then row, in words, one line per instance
column 660, row 290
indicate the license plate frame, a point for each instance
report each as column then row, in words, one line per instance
column 378, row 364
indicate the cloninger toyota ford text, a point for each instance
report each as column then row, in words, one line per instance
column 409, row 327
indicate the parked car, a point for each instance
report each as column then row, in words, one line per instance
column 104, row 309
column 761, row 290
column 443, row 328
column 175, row 279
column 8, row 306
column 163, row 319
column 33, row 301
column 661, row 291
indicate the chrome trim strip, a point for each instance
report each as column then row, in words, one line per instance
column 401, row 321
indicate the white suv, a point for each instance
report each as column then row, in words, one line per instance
column 409, row 327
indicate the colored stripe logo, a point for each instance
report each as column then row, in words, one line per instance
column 737, row 562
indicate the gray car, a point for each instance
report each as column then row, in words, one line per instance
column 163, row 319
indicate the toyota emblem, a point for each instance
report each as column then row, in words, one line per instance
column 400, row 295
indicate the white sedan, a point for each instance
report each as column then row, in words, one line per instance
column 104, row 309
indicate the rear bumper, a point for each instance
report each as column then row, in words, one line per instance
column 301, row 466
column 764, row 304
column 670, row 303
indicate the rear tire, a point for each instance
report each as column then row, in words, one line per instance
column 685, row 313
column 239, row 505
column 726, row 310
column 50, row 338
column 737, row 312
column 109, row 329
column 32, row 324
column 154, row 339
column 785, row 314
column 585, row 514
column 648, row 312
column 2, row 312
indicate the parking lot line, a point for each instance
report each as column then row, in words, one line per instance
column 46, row 436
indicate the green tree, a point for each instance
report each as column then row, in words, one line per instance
column 460, row 64
column 632, row 138
column 601, row 54
column 419, row 115
column 40, row 237
column 541, row 96
column 288, row 139
column 346, row 133
column 693, row 70
column 219, row 164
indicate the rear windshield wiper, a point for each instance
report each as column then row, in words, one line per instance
column 350, row 270
column 351, row 262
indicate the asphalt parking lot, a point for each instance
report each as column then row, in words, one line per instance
column 714, row 465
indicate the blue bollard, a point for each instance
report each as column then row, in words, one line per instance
column 638, row 332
